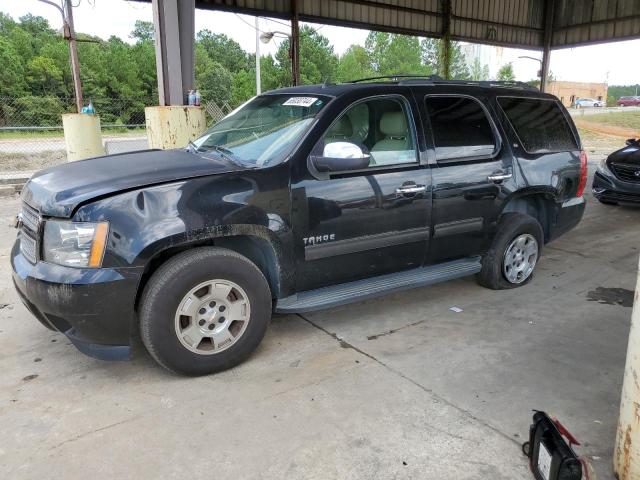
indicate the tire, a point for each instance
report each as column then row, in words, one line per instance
column 191, row 286
column 511, row 228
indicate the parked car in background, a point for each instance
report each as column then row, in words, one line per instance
column 304, row 198
column 618, row 176
column 633, row 101
column 588, row 102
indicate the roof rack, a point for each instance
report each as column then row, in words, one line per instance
column 437, row 80
column 396, row 78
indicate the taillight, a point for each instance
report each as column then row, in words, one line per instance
column 583, row 174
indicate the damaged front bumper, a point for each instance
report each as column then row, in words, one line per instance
column 94, row 308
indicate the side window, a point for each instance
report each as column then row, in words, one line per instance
column 379, row 127
column 539, row 124
column 460, row 127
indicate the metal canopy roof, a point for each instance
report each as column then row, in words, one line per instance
column 510, row 23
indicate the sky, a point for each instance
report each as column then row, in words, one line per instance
column 104, row 18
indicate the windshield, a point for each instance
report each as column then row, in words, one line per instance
column 262, row 131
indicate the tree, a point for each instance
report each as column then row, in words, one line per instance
column 392, row 54
column 142, row 31
column 433, row 55
column 12, row 71
column 479, row 71
column 318, row 62
column 354, row 64
column 43, row 75
column 243, row 87
column 506, row 73
column 223, row 50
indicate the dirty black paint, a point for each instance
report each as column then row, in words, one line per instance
column 611, row 296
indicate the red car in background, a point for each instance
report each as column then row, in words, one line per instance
column 628, row 101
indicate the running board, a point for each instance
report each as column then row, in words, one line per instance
column 372, row 287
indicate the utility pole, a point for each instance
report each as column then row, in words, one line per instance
column 258, row 83
column 294, row 44
column 69, row 34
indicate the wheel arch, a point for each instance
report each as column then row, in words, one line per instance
column 539, row 204
column 258, row 246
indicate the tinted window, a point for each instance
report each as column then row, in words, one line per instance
column 460, row 127
column 539, row 124
column 380, row 127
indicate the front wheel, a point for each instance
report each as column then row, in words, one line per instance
column 204, row 310
column 514, row 254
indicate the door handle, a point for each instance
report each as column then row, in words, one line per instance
column 410, row 189
column 499, row 176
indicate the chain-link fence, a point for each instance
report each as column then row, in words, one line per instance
column 31, row 135
column 32, row 138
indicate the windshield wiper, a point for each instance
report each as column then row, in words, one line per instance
column 191, row 147
column 224, row 152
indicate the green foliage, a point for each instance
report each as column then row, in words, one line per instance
column 354, row 64
column 142, row 31
column 43, row 75
column 44, row 111
column 479, row 71
column 433, row 55
column 120, row 77
column 614, row 92
column 12, row 70
column 506, row 73
column 223, row 50
column 392, row 54
column 318, row 62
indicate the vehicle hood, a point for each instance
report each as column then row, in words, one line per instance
column 629, row 154
column 57, row 191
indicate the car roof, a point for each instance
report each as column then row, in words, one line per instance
column 440, row 86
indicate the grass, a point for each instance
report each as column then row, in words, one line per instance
column 58, row 133
column 616, row 119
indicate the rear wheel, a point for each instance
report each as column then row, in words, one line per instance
column 512, row 258
column 204, row 311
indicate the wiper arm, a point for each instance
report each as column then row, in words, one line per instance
column 191, row 147
column 228, row 154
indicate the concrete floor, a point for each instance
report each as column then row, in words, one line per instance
column 398, row 387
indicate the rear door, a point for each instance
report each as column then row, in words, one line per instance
column 472, row 176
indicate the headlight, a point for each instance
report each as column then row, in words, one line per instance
column 602, row 166
column 75, row 244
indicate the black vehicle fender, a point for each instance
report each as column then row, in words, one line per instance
column 256, row 242
column 541, row 203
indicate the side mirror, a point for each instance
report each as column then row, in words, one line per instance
column 340, row 157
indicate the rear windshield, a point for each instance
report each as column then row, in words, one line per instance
column 539, row 124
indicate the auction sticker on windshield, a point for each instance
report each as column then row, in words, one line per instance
column 544, row 462
column 300, row 101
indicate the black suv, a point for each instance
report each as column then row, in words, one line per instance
column 618, row 176
column 304, row 198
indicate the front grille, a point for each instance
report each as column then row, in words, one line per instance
column 626, row 171
column 29, row 232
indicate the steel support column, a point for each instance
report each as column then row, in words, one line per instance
column 174, row 24
column 626, row 455
column 549, row 10
column 295, row 44
column 445, row 57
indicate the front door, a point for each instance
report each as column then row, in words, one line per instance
column 349, row 225
column 472, row 178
